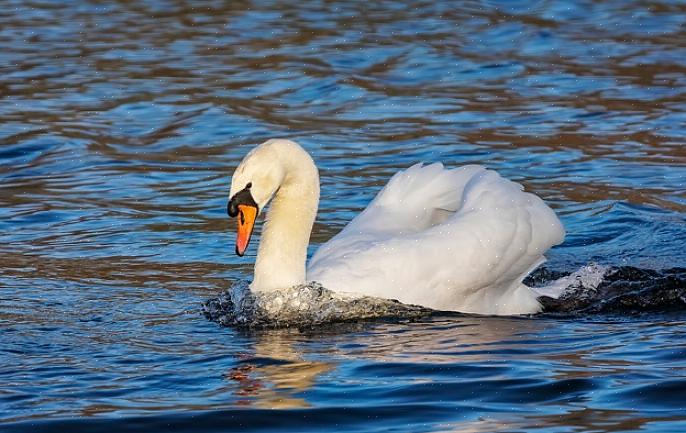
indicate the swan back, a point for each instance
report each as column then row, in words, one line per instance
column 460, row 239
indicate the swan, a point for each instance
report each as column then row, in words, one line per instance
column 459, row 239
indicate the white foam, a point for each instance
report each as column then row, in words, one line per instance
column 302, row 305
column 588, row 277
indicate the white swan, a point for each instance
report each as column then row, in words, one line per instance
column 460, row 239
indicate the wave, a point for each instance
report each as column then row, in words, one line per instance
column 593, row 289
column 622, row 290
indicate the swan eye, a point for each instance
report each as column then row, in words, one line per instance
column 249, row 185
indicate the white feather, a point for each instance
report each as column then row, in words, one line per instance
column 460, row 239
column 457, row 239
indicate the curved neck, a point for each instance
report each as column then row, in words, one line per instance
column 282, row 253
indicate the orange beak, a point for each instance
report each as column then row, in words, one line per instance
column 246, row 223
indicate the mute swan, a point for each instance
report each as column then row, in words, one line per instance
column 449, row 239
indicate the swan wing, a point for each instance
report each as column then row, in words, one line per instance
column 460, row 239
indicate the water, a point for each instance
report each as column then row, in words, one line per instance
column 120, row 124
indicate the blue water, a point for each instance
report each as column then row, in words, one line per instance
column 121, row 122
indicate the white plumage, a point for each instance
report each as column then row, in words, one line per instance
column 460, row 239
column 451, row 239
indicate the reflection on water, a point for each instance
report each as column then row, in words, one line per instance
column 121, row 121
column 276, row 373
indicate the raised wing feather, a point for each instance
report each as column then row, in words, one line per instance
column 460, row 239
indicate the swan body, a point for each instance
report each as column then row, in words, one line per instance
column 458, row 239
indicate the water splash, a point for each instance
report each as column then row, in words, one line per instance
column 588, row 278
column 304, row 305
column 593, row 289
column 623, row 290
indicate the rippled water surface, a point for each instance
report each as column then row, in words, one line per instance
column 120, row 123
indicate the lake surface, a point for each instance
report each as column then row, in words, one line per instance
column 121, row 122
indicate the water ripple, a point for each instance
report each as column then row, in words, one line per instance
column 120, row 124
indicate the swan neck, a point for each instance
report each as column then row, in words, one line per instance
column 282, row 253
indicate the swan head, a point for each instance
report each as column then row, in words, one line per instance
column 253, row 184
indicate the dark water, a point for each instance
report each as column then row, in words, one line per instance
column 120, row 123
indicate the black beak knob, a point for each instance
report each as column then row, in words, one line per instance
column 242, row 197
